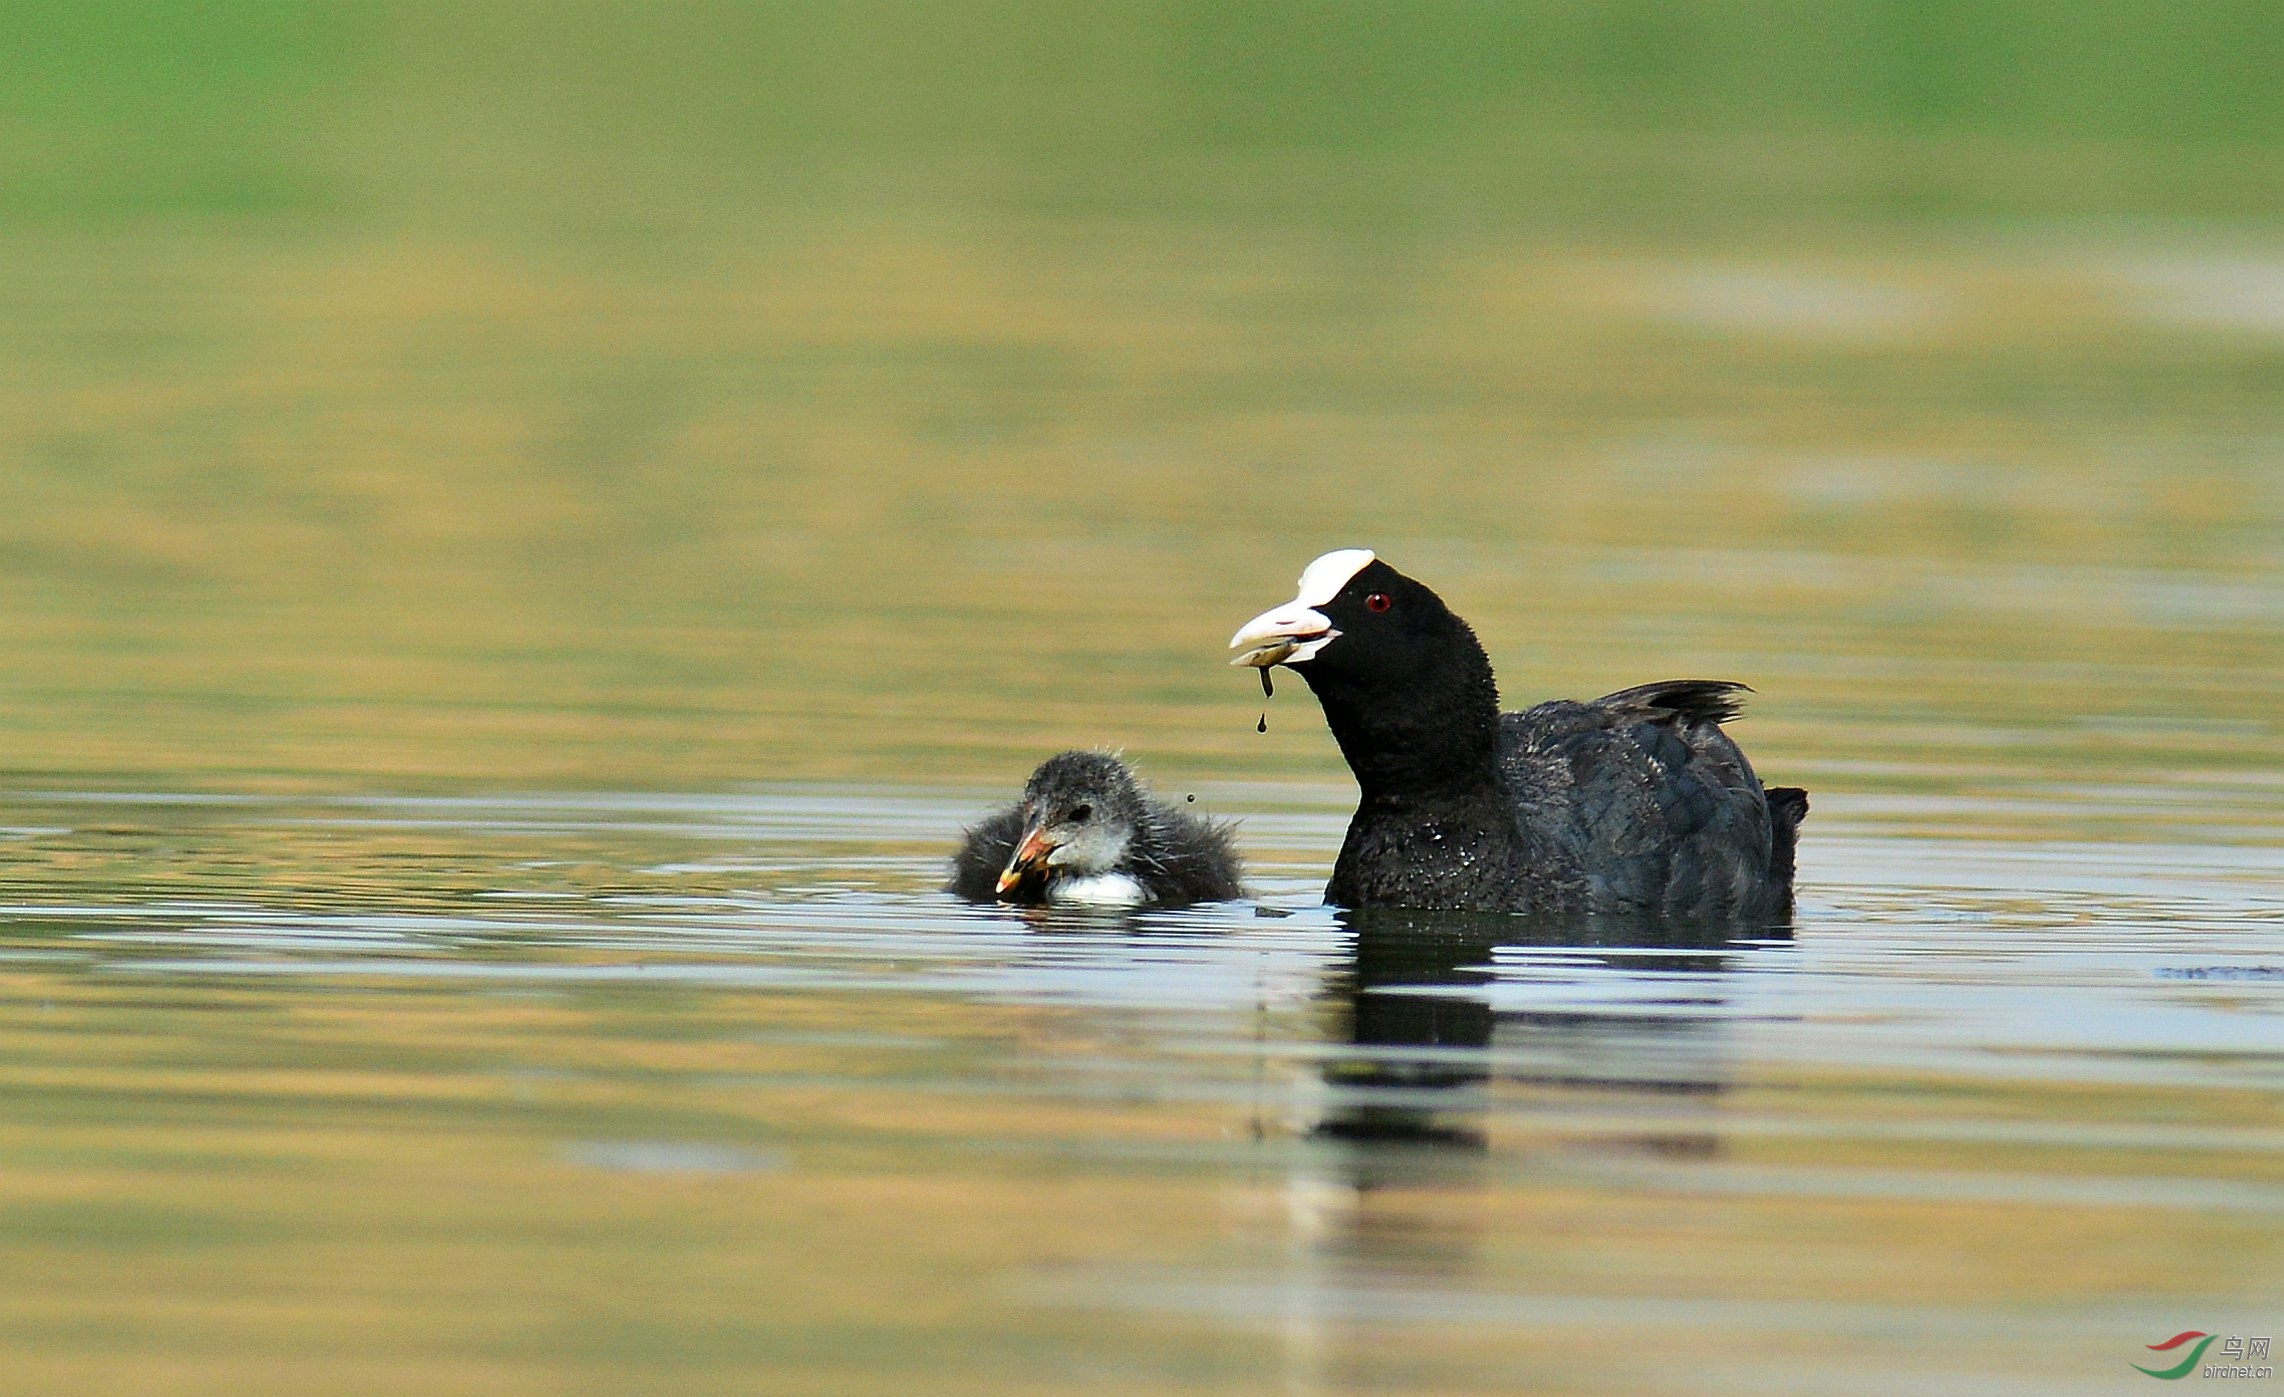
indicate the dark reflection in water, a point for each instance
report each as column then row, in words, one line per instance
column 1425, row 1061
column 1436, row 1098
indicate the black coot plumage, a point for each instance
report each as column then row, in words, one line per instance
column 1085, row 832
column 1634, row 803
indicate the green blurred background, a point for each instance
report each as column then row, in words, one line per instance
column 480, row 397
column 681, row 394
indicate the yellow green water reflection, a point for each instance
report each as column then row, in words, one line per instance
column 481, row 1095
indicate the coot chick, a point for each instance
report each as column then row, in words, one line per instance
column 1636, row 803
column 1085, row 832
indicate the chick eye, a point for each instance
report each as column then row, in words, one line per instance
column 1080, row 814
column 1378, row 601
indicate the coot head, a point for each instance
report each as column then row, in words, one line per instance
column 1080, row 811
column 1406, row 687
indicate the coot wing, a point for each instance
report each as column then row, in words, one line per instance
column 1638, row 801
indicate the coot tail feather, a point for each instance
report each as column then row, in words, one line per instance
column 1696, row 700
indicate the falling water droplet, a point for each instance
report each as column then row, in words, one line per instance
column 1263, row 725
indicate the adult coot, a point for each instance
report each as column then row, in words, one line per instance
column 1633, row 803
column 1086, row 832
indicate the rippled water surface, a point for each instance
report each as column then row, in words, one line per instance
column 716, row 1092
column 524, row 533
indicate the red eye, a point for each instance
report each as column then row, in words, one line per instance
column 1378, row 601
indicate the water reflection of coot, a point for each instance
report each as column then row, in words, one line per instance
column 1422, row 1056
